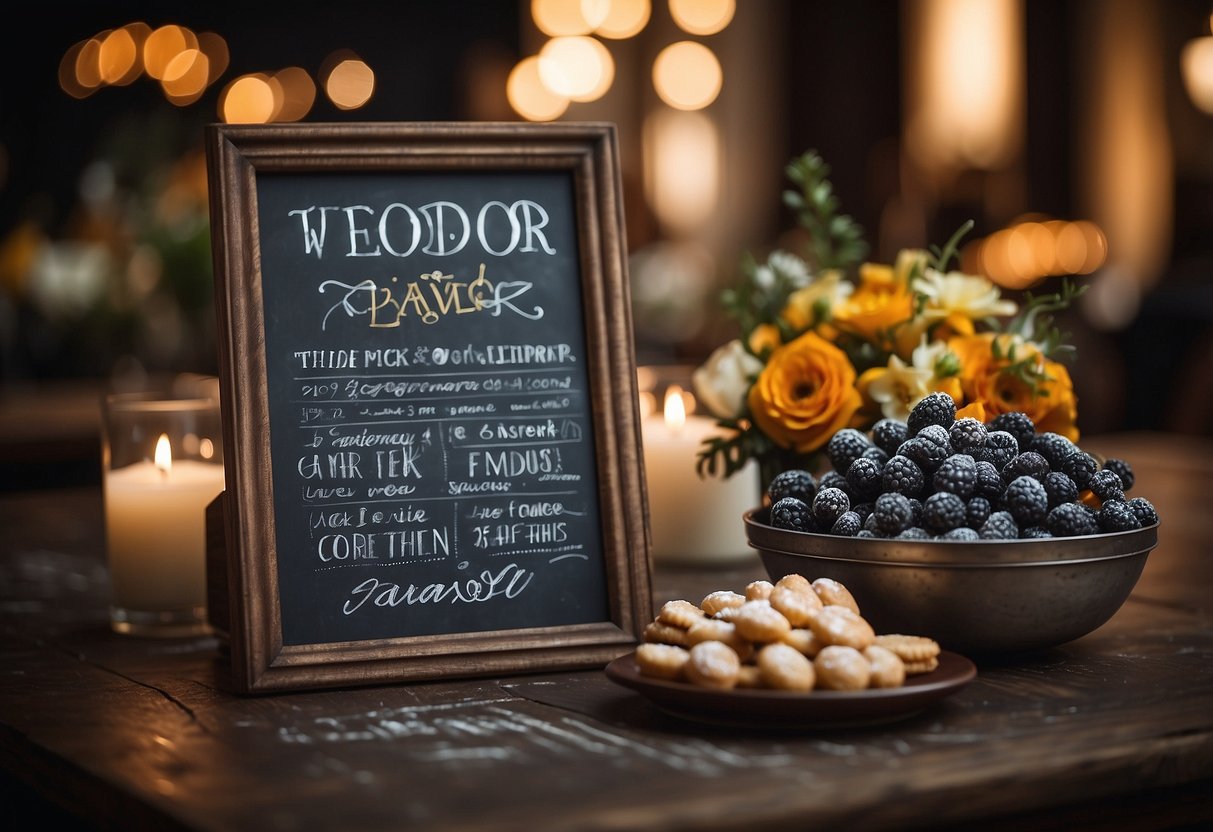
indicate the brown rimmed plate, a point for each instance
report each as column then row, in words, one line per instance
column 816, row 709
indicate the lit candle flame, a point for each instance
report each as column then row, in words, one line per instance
column 675, row 408
column 164, row 455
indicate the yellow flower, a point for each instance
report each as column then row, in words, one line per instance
column 1052, row 405
column 881, row 302
column 764, row 338
column 899, row 386
column 956, row 300
column 805, row 394
column 816, row 301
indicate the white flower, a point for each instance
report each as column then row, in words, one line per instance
column 724, row 379
column 963, row 295
column 793, row 269
column 764, row 277
column 903, row 385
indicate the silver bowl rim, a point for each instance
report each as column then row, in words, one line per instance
column 948, row 553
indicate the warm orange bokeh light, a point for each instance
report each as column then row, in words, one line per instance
column 624, row 19
column 350, row 84
column 528, row 95
column 702, row 17
column 298, row 93
column 164, row 44
column 215, row 49
column 185, row 77
column 578, row 68
column 557, row 18
column 687, row 75
column 67, row 72
column 118, row 58
column 248, row 99
column 88, row 63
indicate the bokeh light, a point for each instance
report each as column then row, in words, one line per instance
column 702, row 17
column 577, row 67
column 687, row 75
column 1197, row 63
column 185, row 77
column 624, row 19
column 528, row 95
column 558, row 18
column 67, row 72
column 298, row 93
column 217, row 56
column 248, row 99
column 350, row 83
column 118, row 58
column 164, row 44
column 88, row 64
column 1026, row 252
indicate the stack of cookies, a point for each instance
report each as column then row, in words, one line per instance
column 794, row 635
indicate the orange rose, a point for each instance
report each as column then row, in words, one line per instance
column 1052, row 405
column 805, row 394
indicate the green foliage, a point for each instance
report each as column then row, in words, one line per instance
column 835, row 240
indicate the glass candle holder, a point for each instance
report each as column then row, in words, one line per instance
column 162, row 458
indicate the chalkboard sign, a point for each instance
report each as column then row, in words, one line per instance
column 429, row 402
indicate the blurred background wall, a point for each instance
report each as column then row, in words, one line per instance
column 1077, row 134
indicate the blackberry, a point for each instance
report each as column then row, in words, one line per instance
column 892, row 514
column 1144, row 510
column 989, row 482
column 960, row 533
column 864, row 478
column 999, row 526
column 846, row 446
column 876, row 455
column 967, row 435
column 1117, row 516
column 938, row 435
column 925, row 454
column 1060, row 488
column 868, row 533
column 828, row 505
column 1079, row 466
column 942, row 512
column 1052, row 446
column 932, row 409
column 914, row 533
column 793, row 483
column 915, row 511
column 864, row 510
column 888, row 434
column 957, row 474
column 977, row 511
column 1123, row 471
column 1071, row 520
column 1027, row 501
column 1034, row 533
column 902, row 475
column 848, row 524
column 1106, row 485
column 1016, row 423
column 1001, row 447
column 869, row 525
column 1028, row 463
column 832, row 479
column 792, row 513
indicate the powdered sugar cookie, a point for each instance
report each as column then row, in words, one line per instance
column 783, row 667
column 759, row 621
column 758, row 590
column 664, row 661
column 713, row 664
column 712, row 629
column 722, row 599
column 839, row 625
column 841, row 668
column 831, row 591
column 888, row 671
column 659, row 633
column 797, row 607
column 909, row 648
column 804, row 641
column 679, row 614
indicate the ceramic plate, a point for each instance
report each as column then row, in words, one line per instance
column 817, row 709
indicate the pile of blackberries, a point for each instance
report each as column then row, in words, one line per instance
column 936, row 477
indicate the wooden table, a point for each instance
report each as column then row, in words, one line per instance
column 1113, row 731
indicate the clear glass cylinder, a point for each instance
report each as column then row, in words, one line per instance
column 162, row 464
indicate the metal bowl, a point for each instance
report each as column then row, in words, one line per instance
column 988, row 596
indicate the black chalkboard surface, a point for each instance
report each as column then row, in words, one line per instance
column 428, row 401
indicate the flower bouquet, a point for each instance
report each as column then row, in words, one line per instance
column 829, row 340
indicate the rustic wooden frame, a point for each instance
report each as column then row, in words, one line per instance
column 245, row 605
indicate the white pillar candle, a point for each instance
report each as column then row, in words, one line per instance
column 693, row 520
column 155, row 520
